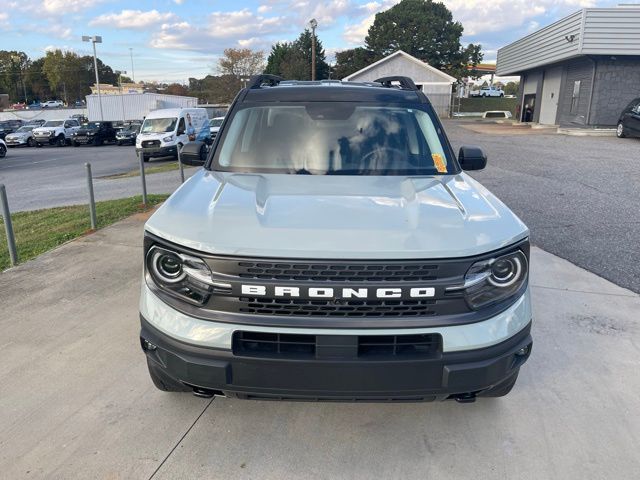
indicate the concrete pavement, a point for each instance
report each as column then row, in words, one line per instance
column 76, row 400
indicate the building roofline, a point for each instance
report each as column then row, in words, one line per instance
column 401, row 53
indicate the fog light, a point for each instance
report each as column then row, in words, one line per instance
column 148, row 346
column 523, row 351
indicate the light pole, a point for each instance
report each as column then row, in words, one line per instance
column 133, row 72
column 95, row 39
column 119, row 73
column 313, row 23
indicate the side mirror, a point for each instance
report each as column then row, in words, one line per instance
column 180, row 132
column 472, row 158
column 194, row 153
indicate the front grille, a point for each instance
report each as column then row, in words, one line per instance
column 302, row 346
column 150, row 143
column 340, row 308
column 339, row 272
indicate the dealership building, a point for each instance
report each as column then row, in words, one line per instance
column 580, row 71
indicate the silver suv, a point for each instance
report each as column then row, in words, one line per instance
column 333, row 248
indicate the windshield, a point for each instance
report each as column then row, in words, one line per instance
column 91, row 125
column 334, row 138
column 24, row 129
column 159, row 125
column 216, row 122
column 54, row 123
column 131, row 128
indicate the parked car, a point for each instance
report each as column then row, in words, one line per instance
column 80, row 118
column 629, row 121
column 214, row 126
column 3, row 149
column 19, row 106
column 497, row 114
column 21, row 137
column 52, row 104
column 79, row 104
column 94, row 133
column 166, row 130
column 9, row 126
column 34, row 106
column 128, row 133
column 333, row 247
column 490, row 91
column 56, row 132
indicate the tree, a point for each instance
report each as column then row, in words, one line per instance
column 176, row 89
column 350, row 61
column 511, row 88
column 292, row 60
column 13, row 65
column 426, row 30
column 241, row 62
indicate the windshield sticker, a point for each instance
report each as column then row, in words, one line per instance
column 438, row 161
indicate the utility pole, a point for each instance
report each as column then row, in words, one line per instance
column 119, row 73
column 133, row 72
column 95, row 39
column 313, row 23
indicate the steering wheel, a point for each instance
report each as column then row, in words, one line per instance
column 377, row 150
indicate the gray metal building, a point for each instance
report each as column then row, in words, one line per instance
column 580, row 71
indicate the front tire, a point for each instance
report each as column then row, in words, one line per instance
column 31, row 142
column 3, row 151
column 620, row 132
column 61, row 141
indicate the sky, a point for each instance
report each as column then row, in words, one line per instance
column 172, row 40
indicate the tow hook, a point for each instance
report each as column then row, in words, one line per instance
column 206, row 393
column 466, row 398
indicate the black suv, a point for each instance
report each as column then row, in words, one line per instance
column 94, row 133
column 9, row 126
column 629, row 121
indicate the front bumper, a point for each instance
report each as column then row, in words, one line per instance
column 467, row 364
column 45, row 139
column 158, row 151
column 15, row 142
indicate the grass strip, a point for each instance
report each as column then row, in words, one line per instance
column 165, row 167
column 41, row 230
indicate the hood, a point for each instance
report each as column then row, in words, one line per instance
column 315, row 216
column 85, row 131
column 18, row 134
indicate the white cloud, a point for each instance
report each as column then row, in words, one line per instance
column 61, row 7
column 264, row 8
column 132, row 19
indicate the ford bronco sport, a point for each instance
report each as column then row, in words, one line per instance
column 333, row 248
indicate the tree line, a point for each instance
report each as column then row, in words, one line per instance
column 422, row 28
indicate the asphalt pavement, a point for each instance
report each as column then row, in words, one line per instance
column 580, row 196
column 46, row 177
column 77, row 402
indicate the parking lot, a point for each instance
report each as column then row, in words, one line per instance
column 54, row 176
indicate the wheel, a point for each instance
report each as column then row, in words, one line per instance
column 31, row 142
column 162, row 381
column 501, row 95
column 75, row 144
column 3, row 151
column 145, row 158
column 203, row 152
column 119, row 143
column 61, row 141
column 620, row 133
column 503, row 388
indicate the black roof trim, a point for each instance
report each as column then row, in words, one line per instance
column 259, row 80
column 406, row 83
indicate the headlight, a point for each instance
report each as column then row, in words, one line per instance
column 491, row 281
column 168, row 139
column 91, row 133
column 180, row 275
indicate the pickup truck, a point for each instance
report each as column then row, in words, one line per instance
column 488, row 92
column 55, row 132
column 333, row 247
column 94, row 133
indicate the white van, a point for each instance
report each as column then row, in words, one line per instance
column 163, row 131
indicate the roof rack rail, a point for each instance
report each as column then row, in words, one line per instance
column 259, row 80
column 405, row 82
